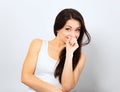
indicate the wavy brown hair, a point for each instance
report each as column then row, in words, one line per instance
column 60, row 21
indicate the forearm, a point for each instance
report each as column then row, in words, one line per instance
column 67, row 74
column 39, row 85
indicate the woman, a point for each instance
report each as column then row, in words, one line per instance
column 56, row 65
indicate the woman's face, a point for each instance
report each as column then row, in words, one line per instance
column 70, row 30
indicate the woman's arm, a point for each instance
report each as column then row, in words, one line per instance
column 70, row 77
column 28, row 70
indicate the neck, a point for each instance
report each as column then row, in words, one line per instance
column 57, row 43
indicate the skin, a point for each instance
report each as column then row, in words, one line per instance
column 66, row 37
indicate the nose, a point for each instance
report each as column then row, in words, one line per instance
column 73, row 34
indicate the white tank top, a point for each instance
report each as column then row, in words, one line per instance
column 45, row 67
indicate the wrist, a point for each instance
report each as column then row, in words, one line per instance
column 69, row 54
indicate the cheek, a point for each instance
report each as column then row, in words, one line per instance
column 66, row 34
column 77, row 35
column 63, row 32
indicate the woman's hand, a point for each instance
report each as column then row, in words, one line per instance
column 64, row 90
column 71, row 44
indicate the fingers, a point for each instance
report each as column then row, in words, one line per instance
column 73, row 41
column 71, row 44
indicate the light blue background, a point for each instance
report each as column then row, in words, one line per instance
column 24, row 20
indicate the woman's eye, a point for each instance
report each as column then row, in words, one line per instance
column 68, row 29
column 78, row 30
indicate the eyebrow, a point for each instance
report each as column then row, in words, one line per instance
column 71, row 27
column 68, row 26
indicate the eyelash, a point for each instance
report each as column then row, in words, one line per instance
column 67, row 29
column 78, row 30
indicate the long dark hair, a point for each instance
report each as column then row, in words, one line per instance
column 60, row 21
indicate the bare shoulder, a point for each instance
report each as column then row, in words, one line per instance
column 83, row 56
column 36, row 41
column 36, row 44
column 82, row 60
